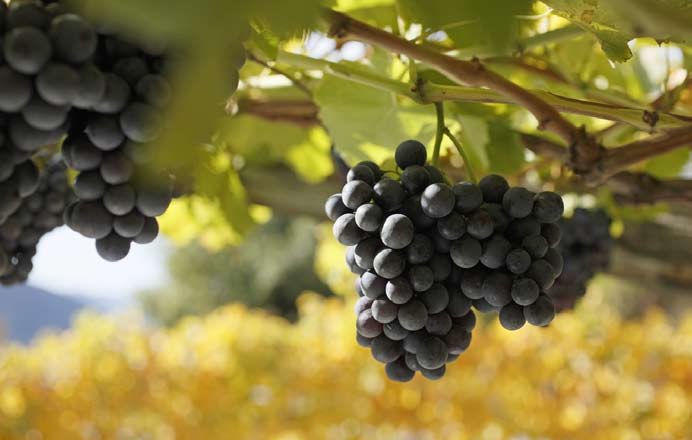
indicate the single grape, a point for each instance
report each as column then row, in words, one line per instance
column 43, row 115
column 411, row 361
column 356, row 193
column 372, row 284
column 58, row 84
column 367, row 326
column 484, row 306
column 410, row 153
column 119, row 199
column 398, row 371
column 362, row 304
column 155, row 90
column 113, row 247
column 414, row 211
column 92, row 87
column 27, row 50
column 432, row 353
column 452, row 227
column 541, row 312
column 420, row 250
column 524, row 291
column 365, row 252
column 397, row 231
column 363, row 341
column 421, row 277
column 149, row 232
column 493, row 187
column 369, row 217
column 15, row 90
column 116, row 169
column 129, row 225
column 334, row 207
column 497, row 289
column 552, row 233
column 413, row 315
column 438, row 324
column 413, row 341
column 480, row 225
column 458, row 339
column 105, row 133
column 91, row 220
column 399, row 290
column 518, row 261
column 542, row 273
column 435, row 299
column 384, row 311
column 73, row 38
column 466, row 253
column 131, row 69
column 495, row 250
column 361, row 172
column 548, row 207
column 140, row 122
column 394, row 331
column 437, row 200
column 459, row 305
column 389, row 263
column 468, row 197
column 389, row 194
column 435, row 374
column 554, row 258
column 415, row 179
column 512, row 317
column 518, row 202
column 535, row 245
column 115, row 97
column 467, row 322
column 385, row 350
column 472, row 283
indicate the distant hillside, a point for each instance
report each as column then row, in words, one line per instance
column 25, row 311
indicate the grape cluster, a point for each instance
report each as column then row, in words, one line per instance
column 37, row 215
column 427, row 253
column 108, row 145
column 60, row 75
column 587, row 246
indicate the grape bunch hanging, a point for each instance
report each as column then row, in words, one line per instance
column 428, row 253
column 37, row 215
column 587, row 246
column 102, row 94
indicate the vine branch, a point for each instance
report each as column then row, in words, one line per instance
column 621, row 158
column 586, row 151
column 629, row 186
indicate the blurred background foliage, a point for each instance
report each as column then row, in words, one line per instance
column 246, row 374
column 264, row 160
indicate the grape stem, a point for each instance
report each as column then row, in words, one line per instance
column 440, row 111
column 462, row 153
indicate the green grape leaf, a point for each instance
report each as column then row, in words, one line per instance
column 489, row 24
column 264, row 40
column 367, row 123
column 504, row 149
column 668, row 165
column 222, row 186
column 613, row 43
column 474, row 137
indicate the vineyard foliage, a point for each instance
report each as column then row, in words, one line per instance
column 364, row 100
column 240, row 372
